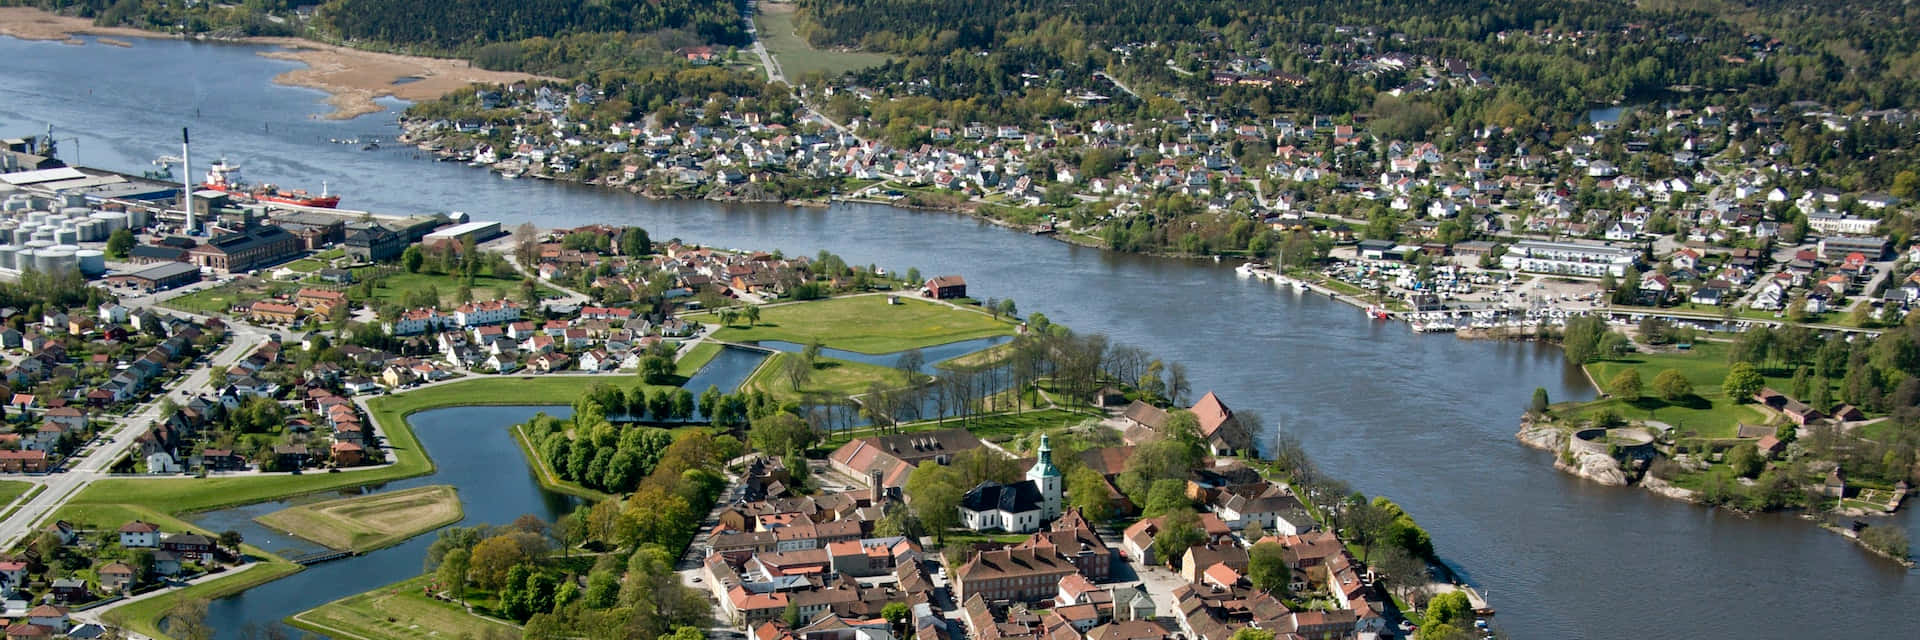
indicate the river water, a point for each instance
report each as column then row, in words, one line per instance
column 1427, row 420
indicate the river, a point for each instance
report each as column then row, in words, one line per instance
column 1425, row 419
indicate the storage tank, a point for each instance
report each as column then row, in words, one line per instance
column 20, row 236
column 94, row 231
column 114, row 220
column 79, row 211
column 137, row 219
column 36, row 217
column 38, row 244
column 57, row 260
column 66, row 236
column 46, row 234
column 72, row 199
column 7, row 253
column 92, row 262
column 23, row 261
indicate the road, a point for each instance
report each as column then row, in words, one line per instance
column 774, row 73
column 1116, row 82
column 61, row 487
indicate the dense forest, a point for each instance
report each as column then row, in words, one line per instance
column 460, row 25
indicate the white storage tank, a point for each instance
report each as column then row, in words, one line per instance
column 7, row 253
column 24, row 260
column 38, row 244
column 93, row 231
column 57, row 260
column 92, row 262
column 137, row 219
column 66, row 236
column 36, row 217
column 46, row 234
column 78, row 211
column 20, row 235
column 114, row 220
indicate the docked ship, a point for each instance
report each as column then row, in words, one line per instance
column 226, row 178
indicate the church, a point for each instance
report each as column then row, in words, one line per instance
column 1022, row 507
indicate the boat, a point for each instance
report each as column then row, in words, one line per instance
column 225, row 177
column 1378, row 313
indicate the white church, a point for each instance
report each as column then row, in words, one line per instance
column 1021, row 507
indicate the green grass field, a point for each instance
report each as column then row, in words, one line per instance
column 796, row 57
column 10, row 489
column 400, row 611
column 830, row 376
column 306, row 265
column 394, row 287
column 369, row 522
column 1711, row 415
column 217, row 300
column 867, row 324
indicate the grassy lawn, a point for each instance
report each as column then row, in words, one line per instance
column 1710, row 414
column 10, row 489
column 696, row 357
column 143, row 617
column 306, row 265
column 394, row 287
column 548, row 479
column 400, row 611
column 796, row 57
column 217, row 300
column 999, row 427
column 985, row 357
column 867, row 324
column 365, row 523
column 837, row 378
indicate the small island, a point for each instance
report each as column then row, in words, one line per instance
column 365, row 523
column 1763, row 420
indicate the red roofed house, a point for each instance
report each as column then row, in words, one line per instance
column 947, row 288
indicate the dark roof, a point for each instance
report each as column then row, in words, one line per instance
column 157, row 252
column 249, row 238
column 165, row 270
column 1012, row 498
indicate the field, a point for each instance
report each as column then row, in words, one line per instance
column 217, row 300
column 11, row 489
column 795, row 56
column 1710, row 414
column 400, row 611
column 867, row 324
column 365, row 523
column 393, row 287
column 830, row 376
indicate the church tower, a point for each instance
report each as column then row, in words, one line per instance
column 1046, row 478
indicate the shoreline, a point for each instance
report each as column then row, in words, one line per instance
column 353, row 79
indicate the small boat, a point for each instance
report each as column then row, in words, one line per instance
column 371, row 146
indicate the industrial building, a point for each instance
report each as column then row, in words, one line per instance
column 459, row 234
column 160, row 277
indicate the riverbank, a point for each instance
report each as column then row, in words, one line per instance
column 353, row 79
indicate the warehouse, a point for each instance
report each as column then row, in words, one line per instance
column 160, row 277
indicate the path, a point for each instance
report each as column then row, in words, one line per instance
column 774, row 73
column 1116, row 82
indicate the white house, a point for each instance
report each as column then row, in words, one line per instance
column 139, row 535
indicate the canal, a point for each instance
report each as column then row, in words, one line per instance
column 1427, row 420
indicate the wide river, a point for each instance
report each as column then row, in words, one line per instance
column 1427, row 420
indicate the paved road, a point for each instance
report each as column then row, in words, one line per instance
column 774, row 73
column 61, row 487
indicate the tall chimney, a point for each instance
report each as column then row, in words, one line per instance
column 186, row 179
column 875, row 492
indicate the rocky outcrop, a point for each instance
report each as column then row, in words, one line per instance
column 1664, row 488
column 1542, row 436
column 1597, row 467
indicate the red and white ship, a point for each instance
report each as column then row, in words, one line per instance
column 226, row 177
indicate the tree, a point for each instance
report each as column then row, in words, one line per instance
column 187, row 619
column 1744, row 460
column 752, row 314
column 896, row 613
column 1267, row 567
column 1742, row 381
column 452, row 573
column 1179, row 530
column 656, row 369
column 635, row 242
column 1252, row 633
column 934, row 491
column 1539, row 404
column 780, row 434
column 120, row 243
column 1166, row 495
column 1626, row 385
column 1087, row 491
column 492, row 559
column 910, row 363
column 1671, row 386
column 232, row 539
column 412, row 258
column 1449, row 608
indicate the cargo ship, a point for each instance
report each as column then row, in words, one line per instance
column 226, row 178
